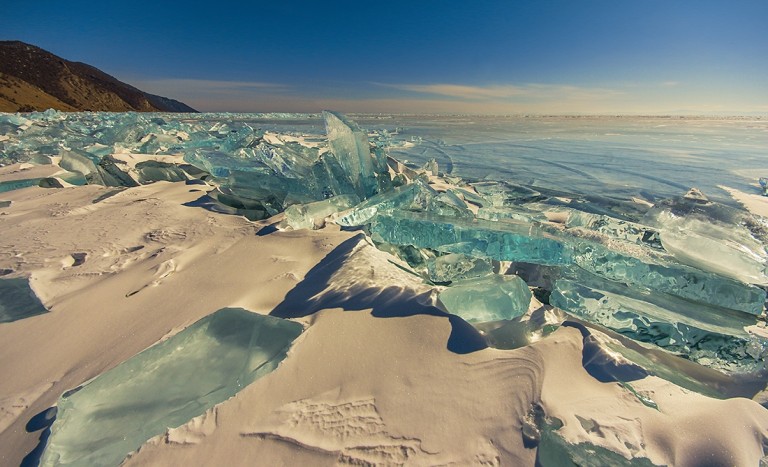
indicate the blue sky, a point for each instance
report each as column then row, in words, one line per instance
column 498, row 57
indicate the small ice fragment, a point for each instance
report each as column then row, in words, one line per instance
column 491, row 298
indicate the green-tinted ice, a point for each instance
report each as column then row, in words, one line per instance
column 505, row 241
column 165, row 386
column 670, row 278
column 704, row 333
column 455, row 266
column 490, row 298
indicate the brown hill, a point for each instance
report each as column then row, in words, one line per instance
column 34, row 79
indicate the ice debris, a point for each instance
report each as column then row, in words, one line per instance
column 165, row 386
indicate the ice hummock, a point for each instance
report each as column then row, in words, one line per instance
column 632, row 223
column 165, row 386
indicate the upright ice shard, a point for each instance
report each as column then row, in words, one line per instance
column 490, row 298
column 165, row 386
column 349, row 144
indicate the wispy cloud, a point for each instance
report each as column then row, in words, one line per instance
column 508, row 92
column 499, row 99
column 460, row 91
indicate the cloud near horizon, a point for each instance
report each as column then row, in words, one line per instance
column 373, row 97
column 508, row 92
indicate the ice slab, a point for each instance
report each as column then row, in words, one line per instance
column 613, row 228
column 709, row 335
column 505, row 241
column 413, row 196
column 18, row 184
column 18, row 300
column 312, row 216
column 669, row 277
column 491, row 298
column 724, row 256
column 165, row 386
column 455, row 266
column 714, row 237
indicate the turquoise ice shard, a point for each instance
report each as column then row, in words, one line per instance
column 490, row 298
column 349, row 145
column 76, row 162
column 709, row 335
column 18, row 300
column 431, row 167
column 165, row 386
column 455, row 266
column 504, row 241
column 408, row 197
column 154, row 171
column 669, row 277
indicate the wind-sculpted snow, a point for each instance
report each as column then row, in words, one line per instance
column 614, row 233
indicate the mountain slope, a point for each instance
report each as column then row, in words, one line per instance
column 34, row 79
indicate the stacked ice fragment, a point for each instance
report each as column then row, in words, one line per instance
column 686, row 274
column 256, row 172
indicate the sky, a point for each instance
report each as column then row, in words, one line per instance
column 470, row 56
